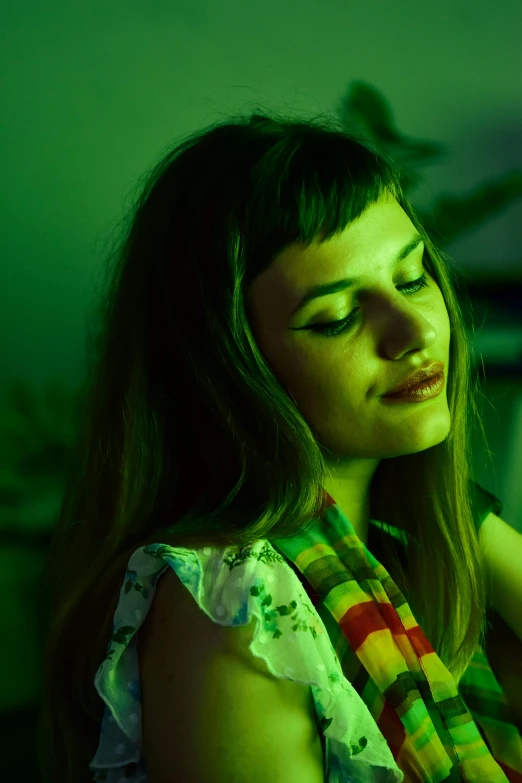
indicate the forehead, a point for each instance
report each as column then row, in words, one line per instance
column 371, row 240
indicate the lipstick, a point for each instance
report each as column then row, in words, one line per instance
column 423, row 391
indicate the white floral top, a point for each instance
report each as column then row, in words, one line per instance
column 231, row 585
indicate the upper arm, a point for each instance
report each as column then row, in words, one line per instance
column 211, row 710
column 502, row 550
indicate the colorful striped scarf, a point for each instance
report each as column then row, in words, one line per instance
column 437, row 731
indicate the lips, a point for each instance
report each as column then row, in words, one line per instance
column 419, row 376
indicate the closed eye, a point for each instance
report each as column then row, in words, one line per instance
column 334, row 328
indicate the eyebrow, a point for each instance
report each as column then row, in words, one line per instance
column 323, row 289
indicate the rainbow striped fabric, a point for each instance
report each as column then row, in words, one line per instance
column 436, row 730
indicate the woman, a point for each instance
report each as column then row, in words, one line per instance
column 235, row 428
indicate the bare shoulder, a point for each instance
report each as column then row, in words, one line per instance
column 204, row 696
column 176, row 621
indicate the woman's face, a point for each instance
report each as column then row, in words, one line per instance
column 338, row 381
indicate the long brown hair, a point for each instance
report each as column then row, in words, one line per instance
column 185, row 433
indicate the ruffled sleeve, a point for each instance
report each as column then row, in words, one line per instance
column 232, row 585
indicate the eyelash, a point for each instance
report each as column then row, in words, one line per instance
column 334, row 328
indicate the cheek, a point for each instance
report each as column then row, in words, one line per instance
column 294, row 372
column 313, row 380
